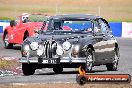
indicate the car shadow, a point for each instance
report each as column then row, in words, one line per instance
column 98, row 71
column 70, row 72
column 16, row 48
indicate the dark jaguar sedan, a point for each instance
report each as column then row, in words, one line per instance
column 71, row 41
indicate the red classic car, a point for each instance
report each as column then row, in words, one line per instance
column 25, row 26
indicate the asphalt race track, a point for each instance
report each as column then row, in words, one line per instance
column 68, row 75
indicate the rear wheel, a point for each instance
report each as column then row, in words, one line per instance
column 28, row 69
column 113, row 66
column 7, row 45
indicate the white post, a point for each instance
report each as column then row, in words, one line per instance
column 15, row 6
column 99, row 13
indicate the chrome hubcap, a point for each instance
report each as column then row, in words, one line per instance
column 89, row 62
column 116, row 58
column 6, row 41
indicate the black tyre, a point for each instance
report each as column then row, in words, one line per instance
column 58, row 69
column 81, row 80
column 26, row 34
column 7, row 45
column 89, row 60
column 114, row 65
column 28, row 69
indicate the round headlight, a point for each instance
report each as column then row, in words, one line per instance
column 59, row 50
column 34, row 45
column 66, row 45
column 40, row 50
column 26, row 48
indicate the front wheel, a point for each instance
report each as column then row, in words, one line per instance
column 89, row 60
column 28, row 69
column 113, row 66
column 7, row 45
column 58, row 69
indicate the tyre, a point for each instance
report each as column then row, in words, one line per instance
column 58, row 69
column 26, row 34
column 7, row 45
column 81, row 80
column 28, row 69
column 114, row 65
column 89, row 60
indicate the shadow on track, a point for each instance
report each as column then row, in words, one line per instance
column 70, row 72
column 16, row 48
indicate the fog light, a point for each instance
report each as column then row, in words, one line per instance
column 66, row 45
column 59, row 50
column 34, row 45
column 25, row 50
column 40, row 50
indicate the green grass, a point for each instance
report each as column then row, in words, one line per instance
column 6, row 18
column 111, row 10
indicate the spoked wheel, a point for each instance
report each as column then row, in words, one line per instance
column 6, row 43
column 113, row 66
column 89, row 60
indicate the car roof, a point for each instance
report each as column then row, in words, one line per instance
column 75, row 16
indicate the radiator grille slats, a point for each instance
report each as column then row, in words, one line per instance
column 50, row 48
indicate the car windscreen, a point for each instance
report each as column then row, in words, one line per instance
column 71, row 25
column 77, row 25
column 36, row 18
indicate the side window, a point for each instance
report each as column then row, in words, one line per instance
column 97, row 27
column 100, row 26
column 50, row 24
column 17, row 20
column 103, row 26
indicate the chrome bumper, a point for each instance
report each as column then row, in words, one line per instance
column 62, row 60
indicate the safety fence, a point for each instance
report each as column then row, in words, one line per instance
column 119, row 29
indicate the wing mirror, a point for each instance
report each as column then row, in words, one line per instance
column 110, row 32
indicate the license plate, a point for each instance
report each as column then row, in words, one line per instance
column 49, row 61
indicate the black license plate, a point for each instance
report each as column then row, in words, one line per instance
column 49, row 61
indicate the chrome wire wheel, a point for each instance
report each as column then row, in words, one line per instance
column 116, row 59
column 6, row 42
column 114, row 65
column 89, row 61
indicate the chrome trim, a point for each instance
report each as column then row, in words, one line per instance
column 63, row 60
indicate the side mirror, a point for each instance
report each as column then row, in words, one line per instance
column 12, row 23
column 110, row 32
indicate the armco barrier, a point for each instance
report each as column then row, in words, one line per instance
column 119, row 29
column 116, row 28
column 127, row 29
column 3, row 24
column 1, row 29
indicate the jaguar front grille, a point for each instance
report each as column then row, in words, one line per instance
column 50, row 49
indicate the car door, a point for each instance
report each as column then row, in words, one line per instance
column 109, row 50
column 17, row 32
column 14, row 33
column 101, row 41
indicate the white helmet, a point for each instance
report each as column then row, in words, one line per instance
column 25, row 16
